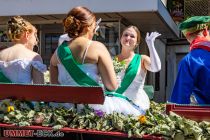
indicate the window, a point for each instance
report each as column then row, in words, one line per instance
column 109, row 33
column 51, row 43
column 4, row 40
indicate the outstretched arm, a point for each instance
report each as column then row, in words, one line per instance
column 153, row 64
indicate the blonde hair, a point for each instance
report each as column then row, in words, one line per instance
column 77, row 20
column 16, row 26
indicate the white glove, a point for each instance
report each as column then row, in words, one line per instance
column 155, row 65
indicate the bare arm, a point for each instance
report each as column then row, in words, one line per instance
column 146, row 62
column 106, row 68
column 37, row 76
column 54, row 70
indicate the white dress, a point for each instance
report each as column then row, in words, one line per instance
column 19, row 70
column 111, row 104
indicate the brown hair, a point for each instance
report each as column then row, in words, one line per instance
column 77, row 20
column 16, row 26
column 137, row 31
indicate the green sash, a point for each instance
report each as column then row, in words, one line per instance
column 130, row 73
column 66, row 58
column 4, row 79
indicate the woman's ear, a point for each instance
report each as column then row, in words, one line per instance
column 26, row 35
column 88, row 28
column 189, row 38
column 205, row 32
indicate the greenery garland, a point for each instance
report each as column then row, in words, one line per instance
column 154, row 122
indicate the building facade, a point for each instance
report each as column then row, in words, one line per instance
column 147, row 15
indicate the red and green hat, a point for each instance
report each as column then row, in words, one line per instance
column 195, row 23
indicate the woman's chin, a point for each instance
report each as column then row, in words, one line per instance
column 126, row 45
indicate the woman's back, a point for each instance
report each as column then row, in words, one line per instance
column 85, row 50
column 84, row 58
column 16, row 63
column 19, row 63
column 92, row 57
column 18, row 51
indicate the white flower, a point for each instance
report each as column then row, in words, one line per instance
column 47, row 77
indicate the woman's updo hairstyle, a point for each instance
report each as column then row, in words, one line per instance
column 16, row 26
column 77, row 20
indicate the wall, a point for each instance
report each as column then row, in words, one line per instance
column 156, row 78
column 45, row 7
column 160, row 96
column 174, row 54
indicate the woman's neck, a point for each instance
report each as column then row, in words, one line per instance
column 19, row 44
column 126, row 54
column 23, row 45
column 86, row 36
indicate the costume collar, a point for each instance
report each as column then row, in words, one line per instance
column 200, row 43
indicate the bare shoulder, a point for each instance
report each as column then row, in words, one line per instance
column 81, row 41
column 98, row 45
column 7, row 54
column 6, row 50
column 144, row 57
column 4, row 54
column 35, row 56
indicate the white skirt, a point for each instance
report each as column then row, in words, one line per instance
column 120, row 105
column 111, row 104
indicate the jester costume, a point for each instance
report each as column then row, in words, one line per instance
column 193, row 78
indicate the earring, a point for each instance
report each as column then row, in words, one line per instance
column 36, row 48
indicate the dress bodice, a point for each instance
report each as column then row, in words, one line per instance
column 64, row 77
column 19, row 70
column 138, row 82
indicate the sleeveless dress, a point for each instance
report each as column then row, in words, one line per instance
column 111, row 103
column 135, row 91
column 19, row 70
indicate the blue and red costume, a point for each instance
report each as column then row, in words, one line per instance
column 193, row 76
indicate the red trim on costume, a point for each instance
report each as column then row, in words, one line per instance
column 199, row 43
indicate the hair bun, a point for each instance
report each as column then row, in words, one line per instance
column 15, row 27
column 72, row 26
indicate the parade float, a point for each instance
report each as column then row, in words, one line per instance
column 39, row 119
column 161, row 121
